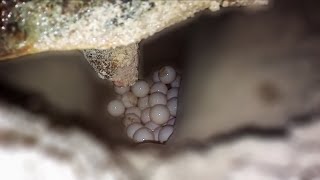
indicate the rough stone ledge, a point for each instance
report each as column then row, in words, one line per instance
column 33, row 26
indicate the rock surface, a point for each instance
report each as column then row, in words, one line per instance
column 33, row 26
column 31, row 149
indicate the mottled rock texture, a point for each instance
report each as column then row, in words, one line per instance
column 32, row 26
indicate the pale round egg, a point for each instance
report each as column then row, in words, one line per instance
column 171, row 121
column 156, row 133
column 134, row 110
column 143, row 102
column 121, row 89
column 165, row 133
column 129, row 99
column 173, row 106
column 176, row 82
column 159, row 114
column 132, row 128
column 115, row 108
column 143, row 134
column 173, row 92
column 151, row 125
column 140, row 88
column 155, row 76
column 129, row 119
column 159, row 87
column 167, row 74
column 157, row 98
column 145, row 116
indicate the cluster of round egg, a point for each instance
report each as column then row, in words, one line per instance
column 149, row 111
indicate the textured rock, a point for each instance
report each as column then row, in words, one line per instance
column 118, row 64
column 32, row 26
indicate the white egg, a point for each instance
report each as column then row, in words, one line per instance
column 129, row 99
column 143, row 102
column 159, row 87
column 134, row 110
column 140, row 88
column 145, row 116
column 167, row 74
column 173, row 92
column 156, row 133
column 171, row 121
column 116, row 108
column 151, row 125
column 121, row 89
column 165, row 133
column 176, row 82
column 155, row 76
column 159, row 114
column 143, row 134
column 129, row 119
column 173, row 106
column 157, row 98
column 132, row 128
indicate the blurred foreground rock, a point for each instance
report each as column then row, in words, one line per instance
column 31, row 149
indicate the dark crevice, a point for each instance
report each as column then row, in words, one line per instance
column 58, row 119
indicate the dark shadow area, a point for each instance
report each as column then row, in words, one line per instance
column 63, row 87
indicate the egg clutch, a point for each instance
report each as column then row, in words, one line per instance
column 148, row 108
